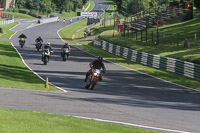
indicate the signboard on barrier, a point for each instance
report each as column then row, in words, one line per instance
column 88, row 14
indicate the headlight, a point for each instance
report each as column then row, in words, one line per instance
column 95, row 74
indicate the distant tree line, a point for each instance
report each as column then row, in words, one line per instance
column 48, row 6
column 128, row 7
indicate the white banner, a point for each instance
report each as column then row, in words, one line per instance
column 89, row 14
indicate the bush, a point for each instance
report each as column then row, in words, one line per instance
column 25, row 11
column 15, row 10
column 117, row 15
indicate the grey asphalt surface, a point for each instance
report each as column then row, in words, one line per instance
column 124, row 95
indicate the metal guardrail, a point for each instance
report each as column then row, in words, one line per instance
column 7, row 22
column 185, row 68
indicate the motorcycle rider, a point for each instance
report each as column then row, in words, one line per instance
column 22, row 36
column 39, row 39
column 47, row 46
column 96, row 64
column 66, row 45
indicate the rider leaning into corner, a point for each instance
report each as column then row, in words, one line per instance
column 96, row 64
column 22, row 36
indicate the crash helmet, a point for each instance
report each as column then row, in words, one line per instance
column 100, row 58
column 66, row 43
column 48, row 43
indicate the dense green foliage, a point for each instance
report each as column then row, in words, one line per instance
column 48, row 6
column 129, row 7
column 197, row 4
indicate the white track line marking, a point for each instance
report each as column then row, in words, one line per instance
column 34, row 71
column 134, row 125
column 129, row 124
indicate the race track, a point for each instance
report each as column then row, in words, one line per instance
column 124, row 95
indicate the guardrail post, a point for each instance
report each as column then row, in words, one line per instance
column 195, row 38
column 177, row 39
column 146, row 35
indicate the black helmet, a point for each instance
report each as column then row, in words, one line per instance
column 100, row 58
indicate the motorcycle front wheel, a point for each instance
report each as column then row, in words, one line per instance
column 45, row 60
column 64, row 57
column 91, row 87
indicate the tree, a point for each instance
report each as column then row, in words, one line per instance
column 197, row 4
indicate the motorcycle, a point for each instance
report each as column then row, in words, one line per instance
column 38, row 45
column 65, row 53
column 93, row 79
column 21, row 42
column 46, row 55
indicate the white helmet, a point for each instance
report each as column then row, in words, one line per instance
column 48, row 43
column 66, row 43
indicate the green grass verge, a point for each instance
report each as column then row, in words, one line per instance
column 19, row 121
column 14, row 74
column 91, row 6
column 19, row 15
column 172, row 77
column 75, row 30
column 2, row 19
column 6, row 30
column 168, row 44
column 68, row 15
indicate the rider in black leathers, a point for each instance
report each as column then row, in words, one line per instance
column 39, row 39
column 22, row 36
column 96, row 64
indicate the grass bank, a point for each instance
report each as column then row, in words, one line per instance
column 171, row 40
column 14, row 74
column 19, row 121
column 68, row 15
column 6, row 30
column 90, row 7
column 74, row 31
column 19, row 15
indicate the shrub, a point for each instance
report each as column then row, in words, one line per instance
column 25, row 11
column 15, row 10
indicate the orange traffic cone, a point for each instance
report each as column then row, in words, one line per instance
column 47, row 83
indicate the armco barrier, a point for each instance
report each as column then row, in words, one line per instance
column 6, row 22
column 48, row 20
column 185, row 68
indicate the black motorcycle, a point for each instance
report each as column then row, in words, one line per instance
column 38, row 45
